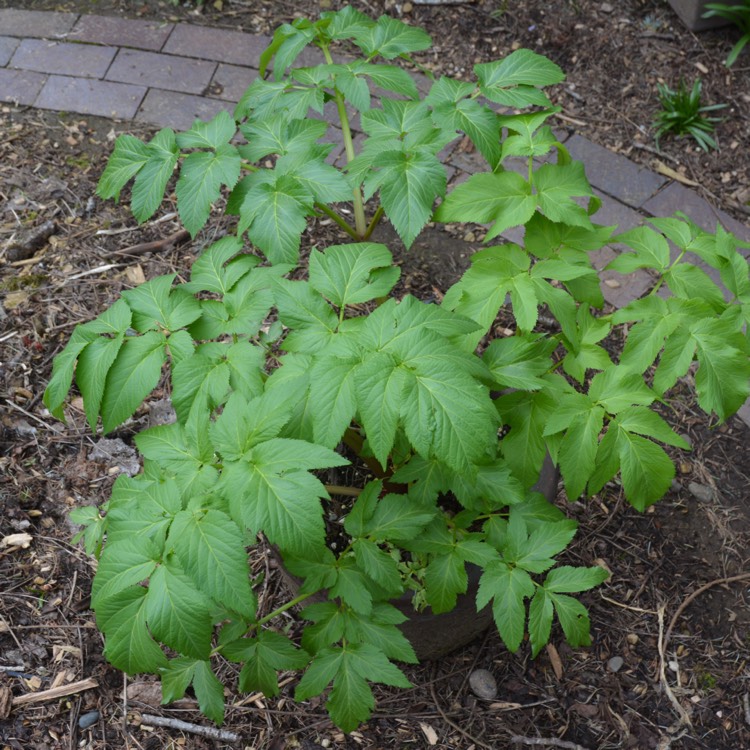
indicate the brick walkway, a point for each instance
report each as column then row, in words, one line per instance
column 168, row 74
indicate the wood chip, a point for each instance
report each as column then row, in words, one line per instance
column 555, row 660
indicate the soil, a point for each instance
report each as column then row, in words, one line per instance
column 664, row 646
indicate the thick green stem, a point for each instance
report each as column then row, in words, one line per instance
column 283, row 608
column 353, row 440
column 360, row 223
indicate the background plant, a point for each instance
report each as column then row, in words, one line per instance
column 739, row 15
column 683, row 114
column 273, row 379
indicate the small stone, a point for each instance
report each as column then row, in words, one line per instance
column 615, row 663
column 606, row 7
column 701, row 492
column 88, row 720
column 483, row 684
column 632, row 638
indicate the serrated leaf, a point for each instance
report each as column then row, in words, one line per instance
column 200, row 381
column 651, row 250
column 540, row 620
column 128, row 643
column 519, row 361
column 93, row 365
column 574, row 619
column 324, row 183
column 504, row 199
column 569, row 580
column 723, row 377
column 378, row 565
column 151, row 180
column 211, row 550
column 177, row 614
column 556, row 186
column 522, row 67
column 397, row 518
column 578, row 448
column 409, row 183
column 128, row 157
column 63, row 368
column 379, row 629
column 176, row 678
column 132, row 376
column 209, row 691
column 390, row 38
column 508, row 588
column 203, row 173
column 211, row 271
column 647, row 471
column 643, row 421
column 445, row 577
column 123, row 564
column 333, row 398
column 348, row 274
column 536, row 553
column 275, row 215
column 212, row 133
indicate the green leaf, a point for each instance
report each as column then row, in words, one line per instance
column 177, row 614
column 325, row 183
column 617, row 388
column 651, row 250
column 397, row 518
column 351, row 587
column 199, row 382
column 379, row 629
column 212, row 133
column 91, row 372
column 123, row 564
column 643, row 421
column 203, row 173
column 445, row 577
column 522, row 67
column 556, row 186
column 128, row 157
column 151, row 180
column 128, row 643
column 574, row 619
column 333, row 398
column 269, row 652
column 519, row 361
column 536, row 553
column 380, row 391
column 275, row 214
column 577, row 453
column 508, row 588
column 540, row 620
column 301, row 308
column 209, row 691
column 391, row 38
column 176, row 678
column 352, row 274
column 378, row 565
column 504, row 198
column 63, row 368
column 723, row 377
column 647, row 471
column 409, row 183
column 211, row 550
column 569, row 580
column 388, row 77
column 132, row 376
column 212, row 272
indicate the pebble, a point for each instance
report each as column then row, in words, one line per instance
column 632, row 638
column 701, row 492
column 615, row 663
column 606, row 7
column 88, row 720
column 483, row 684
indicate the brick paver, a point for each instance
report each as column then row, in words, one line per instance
column 35, row 23
column 20, row 86
column 7, row 47
column 614, row 173
column 81, row 60
column 90, row 97
column 216, row 44
column 676, row 197
column 161, row 71
column 230, row 81
column 178, row 111
column 121, row 32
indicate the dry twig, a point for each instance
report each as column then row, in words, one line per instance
column 546, row 742
column 186, row 726
column 58, row 692
column 166, row 243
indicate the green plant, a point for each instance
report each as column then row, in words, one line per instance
column 739, row 15
column 273, row 379
column 683, row 114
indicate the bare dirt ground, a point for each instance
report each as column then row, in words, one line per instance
column 665, row 648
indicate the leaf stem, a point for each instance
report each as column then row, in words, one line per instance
column 359, row 206
column 373, row 222
column 341, row 222
column 337, row 489
column 283, row 608
column 353, row 440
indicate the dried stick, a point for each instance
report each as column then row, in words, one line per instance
column 662, row 648
column 547, row 742
column 58, row 692
column 694, row 595
column 177, row 238
column 186, row 726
